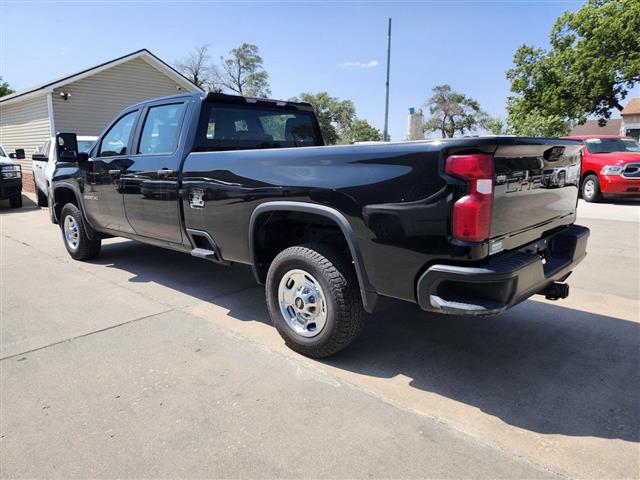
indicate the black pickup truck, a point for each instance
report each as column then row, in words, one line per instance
column 468, row 226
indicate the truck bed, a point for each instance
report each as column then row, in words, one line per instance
column 396, row 196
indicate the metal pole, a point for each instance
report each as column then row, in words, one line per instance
column 385, row 134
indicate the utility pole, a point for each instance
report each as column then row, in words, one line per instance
column 385, row 134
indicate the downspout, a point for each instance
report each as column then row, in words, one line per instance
column 53, row 148
column 52, row 126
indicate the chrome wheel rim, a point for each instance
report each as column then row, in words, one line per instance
column 302, row 303
column 589, row 188
column 71, row 234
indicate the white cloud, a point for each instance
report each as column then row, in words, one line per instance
column 371, row 64
column 64, row 48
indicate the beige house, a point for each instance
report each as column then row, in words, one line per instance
column 84, row 102
column 631, row 119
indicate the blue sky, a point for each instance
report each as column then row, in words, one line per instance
column 339, row 47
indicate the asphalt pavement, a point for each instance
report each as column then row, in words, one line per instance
column 150, row 363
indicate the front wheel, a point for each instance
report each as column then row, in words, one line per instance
column 314, row 300
column 75, row 238
column 591, row 189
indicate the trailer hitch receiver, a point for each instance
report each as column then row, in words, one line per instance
column 556, row 291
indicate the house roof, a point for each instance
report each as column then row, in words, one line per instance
column 591, row 127
column 632, row 108
column 58, row 82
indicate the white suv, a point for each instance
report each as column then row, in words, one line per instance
column 44, row 161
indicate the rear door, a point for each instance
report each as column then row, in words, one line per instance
column 150, row 183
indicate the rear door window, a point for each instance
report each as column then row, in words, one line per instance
column 161, row 129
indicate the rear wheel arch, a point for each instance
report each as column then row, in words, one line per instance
column 304, row 212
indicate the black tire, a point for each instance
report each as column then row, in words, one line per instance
column 85, row 248
column 41, row 198
column 590, row 189
column 335, row 274
column 15, row 201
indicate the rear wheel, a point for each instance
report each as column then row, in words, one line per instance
column 314, row 300
column 591, row 189
column 42, row 198
column 75, row 238
column 15, row 201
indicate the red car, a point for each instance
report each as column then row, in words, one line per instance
column 610, row 166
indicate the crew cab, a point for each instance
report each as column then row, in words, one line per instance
column 11, row 177
column 43, row 164
column 468, row 226
column 610, row 167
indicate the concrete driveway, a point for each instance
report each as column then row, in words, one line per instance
column 150, row 363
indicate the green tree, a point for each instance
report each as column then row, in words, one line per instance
column 362, row 131
column 452, row 112
column 592, row 63
column 5, row 89
column 335, row 116
column 537, row 124
column 243, row 72
column 494, row 125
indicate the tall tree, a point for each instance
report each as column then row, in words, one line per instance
column 361, row 131
column 197, row 67
column 5, row 89
column 592, row 63
column 243, row 73
column 452, row 112
column 335, row 116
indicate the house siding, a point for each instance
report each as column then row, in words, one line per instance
column 25, row 125
column 95, row 101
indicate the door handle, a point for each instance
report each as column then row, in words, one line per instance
column 164, row 172
column 115, row 172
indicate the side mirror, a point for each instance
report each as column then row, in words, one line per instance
column 67, row 147
column 20, row 154
column 39, row 157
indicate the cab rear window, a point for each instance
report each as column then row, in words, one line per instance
column 254, row 127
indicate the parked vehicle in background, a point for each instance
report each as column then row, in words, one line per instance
column 610, row 167
column 11, row 177
column 466, row 226
column 43, row 165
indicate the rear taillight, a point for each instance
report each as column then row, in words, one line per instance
column 472, row 213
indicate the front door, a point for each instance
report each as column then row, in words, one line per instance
column 150, row 184
column 109, row 160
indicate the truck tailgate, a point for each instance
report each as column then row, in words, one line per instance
column 535, row 184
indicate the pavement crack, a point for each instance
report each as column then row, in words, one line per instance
column 71, row 339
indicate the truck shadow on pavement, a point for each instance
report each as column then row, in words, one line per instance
column 541, row 367
column 27, row 204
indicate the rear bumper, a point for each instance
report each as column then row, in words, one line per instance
column 506, row 279
column 619, row 185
